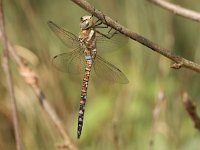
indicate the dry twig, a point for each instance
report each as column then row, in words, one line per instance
column 6, row 67
column 178, row 10
column 191, row 109
column 179, row 61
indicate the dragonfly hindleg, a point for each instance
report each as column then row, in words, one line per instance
column 109, row 35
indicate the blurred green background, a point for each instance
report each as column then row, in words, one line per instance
column 117, row 116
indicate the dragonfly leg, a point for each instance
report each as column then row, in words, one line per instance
column 109, row 35
column 100, row 22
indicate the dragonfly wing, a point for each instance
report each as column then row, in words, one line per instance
column 69, row 39
column 108, row 71
column 72, row 62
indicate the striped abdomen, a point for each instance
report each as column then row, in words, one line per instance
column 84, row 94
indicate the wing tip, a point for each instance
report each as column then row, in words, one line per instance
column 124, row 81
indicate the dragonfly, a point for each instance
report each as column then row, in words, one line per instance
column 84, row 57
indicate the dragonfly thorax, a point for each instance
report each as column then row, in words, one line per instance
column 87, row 34
column 88, row 38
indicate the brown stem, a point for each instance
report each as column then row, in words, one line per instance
column 178, row 10
column 179, row 61
column 191, row 109
column 6, row 67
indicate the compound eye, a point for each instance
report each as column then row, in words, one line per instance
column 81, row 18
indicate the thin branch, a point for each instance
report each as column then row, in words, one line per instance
column 6, row 67
column 178, row 10
column 32, row 79
column 179, row 61
column 191, row 109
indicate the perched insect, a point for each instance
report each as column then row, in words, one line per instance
column 84, row 57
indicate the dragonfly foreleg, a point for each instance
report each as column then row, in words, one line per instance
column 97, row 25
column 109, row 35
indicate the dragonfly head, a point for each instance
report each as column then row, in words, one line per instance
column 86, row 22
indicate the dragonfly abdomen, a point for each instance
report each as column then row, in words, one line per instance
column 84, row 96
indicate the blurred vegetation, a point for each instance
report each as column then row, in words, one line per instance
column 112, row 110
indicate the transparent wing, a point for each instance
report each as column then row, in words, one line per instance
column 108, row 71
column 72, row 62
column 69, row 39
